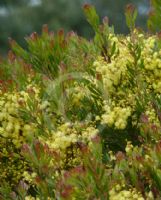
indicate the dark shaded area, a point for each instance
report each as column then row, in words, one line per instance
column 19, row 18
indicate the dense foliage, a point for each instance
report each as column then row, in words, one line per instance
column 81, row 119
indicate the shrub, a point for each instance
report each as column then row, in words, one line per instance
column 81, row 119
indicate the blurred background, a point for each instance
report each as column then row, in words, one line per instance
column 19, row 18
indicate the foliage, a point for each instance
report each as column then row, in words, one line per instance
column 81, row 119
column 21, row 17
column 154, row 22
column 131, row 14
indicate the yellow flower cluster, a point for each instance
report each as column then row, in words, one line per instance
column 11, row 124
column 116, row 117
column 114, row 71
column 152, row 116
column 66, row 138
column 152, row 62
column 129, row 147
column 125, row 79
column 14, row 131
column 29, row 177
column 11, row 163
column 62, row 137
column 77, row 93
column 122, row 194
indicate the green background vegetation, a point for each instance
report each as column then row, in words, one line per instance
column 19, row 18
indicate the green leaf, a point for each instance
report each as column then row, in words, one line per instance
column 91, row 16
column 130, row 14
